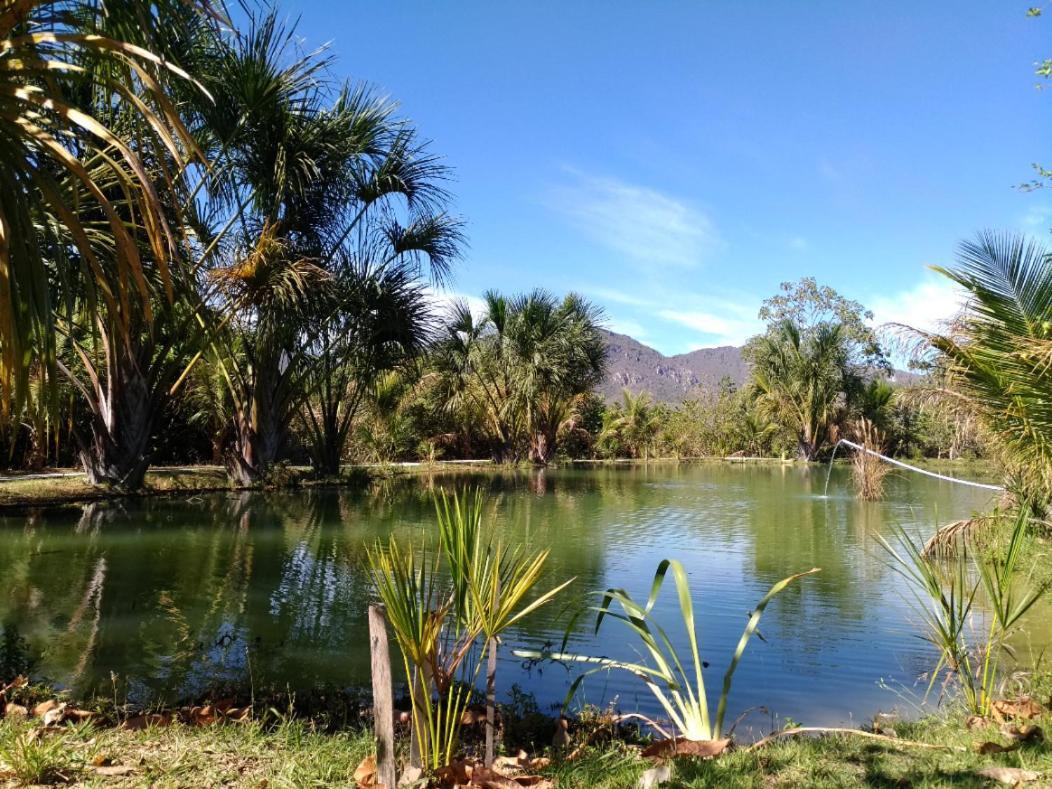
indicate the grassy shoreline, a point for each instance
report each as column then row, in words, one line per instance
column 66, row 486
column 275, row 750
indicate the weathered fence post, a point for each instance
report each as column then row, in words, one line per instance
column 383, row 701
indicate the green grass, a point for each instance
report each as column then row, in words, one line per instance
column 293, row 753
column 827, row 761
column 290, row 754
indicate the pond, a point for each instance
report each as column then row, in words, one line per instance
column 163, row 599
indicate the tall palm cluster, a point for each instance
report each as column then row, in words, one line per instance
column 520, row 369
column 803, row 379
column 197, row 216
column 202, row 230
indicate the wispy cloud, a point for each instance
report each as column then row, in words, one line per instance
column 927, row 306
column 799, row 243
column 1038, row 217
column 828, row 171
column 636, row 221
column 729, row 328
column 443, row 301
column 627, row 326
column 611, row 296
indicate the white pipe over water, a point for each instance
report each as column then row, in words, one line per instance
column 908, row 467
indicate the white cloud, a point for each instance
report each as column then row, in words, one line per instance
column 444, row 301
column 927, row 306
column 1038, row 217
column 716, row 329
column 627, row 326
column 636, row 221
column 705, row 322
column 799, row 243
column 828, row 171
column 616, row 296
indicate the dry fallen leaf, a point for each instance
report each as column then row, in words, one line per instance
column 536, row 781
column 456, row 774
column 16, row 711
column 976, row 722
column 1009, row 775
column 703, row 749
column 44, row 707
column 986, row 748
column 1023, row 708
column 365, row 773
column 113, row 770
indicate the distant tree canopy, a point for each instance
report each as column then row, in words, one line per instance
column 814, row 308
column 811, row 365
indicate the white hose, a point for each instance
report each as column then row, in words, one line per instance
column 925, row 472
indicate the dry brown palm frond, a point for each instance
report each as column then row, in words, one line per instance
column 955, row 536
column 270, row 274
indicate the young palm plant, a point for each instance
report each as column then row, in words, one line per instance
column 634, row 423
column 949, row 595
column 679, row 689
column 441, row 604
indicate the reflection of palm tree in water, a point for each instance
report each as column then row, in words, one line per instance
column 92, row 599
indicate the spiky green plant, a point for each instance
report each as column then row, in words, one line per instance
column 441, row 604
column 680, row 691
column 945, row 595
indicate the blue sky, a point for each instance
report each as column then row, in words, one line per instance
column 675, row 161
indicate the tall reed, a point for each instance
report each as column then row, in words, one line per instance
column 868, row 471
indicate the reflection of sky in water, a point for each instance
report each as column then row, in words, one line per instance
column 207, row 591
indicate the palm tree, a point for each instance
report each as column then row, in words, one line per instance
column 996, row 357
column 800, row 380
column 635, row 423
column 307, row 180
column 381, row 323
column 63, row 62
column 521, row 367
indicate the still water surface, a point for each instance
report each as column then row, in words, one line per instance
column 170, row 597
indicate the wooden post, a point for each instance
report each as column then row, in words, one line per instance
column 383, row 698
column 491, row 701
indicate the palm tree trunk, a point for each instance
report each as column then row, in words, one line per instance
column 542, row 447
column 117, row 453
column 258, row 439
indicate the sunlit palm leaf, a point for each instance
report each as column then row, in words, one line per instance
column 48, row 49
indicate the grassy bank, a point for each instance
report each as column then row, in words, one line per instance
column 283, row 752
column 66, row 486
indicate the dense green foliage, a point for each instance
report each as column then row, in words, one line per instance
column 258, row 292
column 994, row 360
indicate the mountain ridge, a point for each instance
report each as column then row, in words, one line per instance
column 669, row 379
